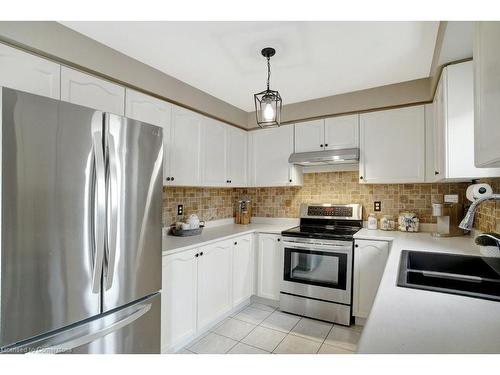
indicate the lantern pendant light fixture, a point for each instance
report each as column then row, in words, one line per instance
column 268, row 102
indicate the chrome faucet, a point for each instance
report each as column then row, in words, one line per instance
column 468, row 219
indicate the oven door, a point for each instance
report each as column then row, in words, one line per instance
column 318, row 269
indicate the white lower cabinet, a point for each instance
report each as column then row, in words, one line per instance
column 269, row 270
column 179, row 298
column 243, row 269
column 201, row 286
column 370, row 258
column 214, row 282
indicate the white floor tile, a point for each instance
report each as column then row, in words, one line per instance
column 251, row 315
column 297, row 345
column 330, row 349
column 280, row 321
column 344, row 337
column 312, row 329
column 212, row 344
column 264, row 338
column 262, row 306
column 241, row 348
column 234, row 329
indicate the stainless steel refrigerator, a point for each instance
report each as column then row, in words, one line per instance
column 81, row 198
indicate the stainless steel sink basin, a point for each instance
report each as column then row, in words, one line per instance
column 467, row 275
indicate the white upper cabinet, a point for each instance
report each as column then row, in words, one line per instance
column 26, row 72
column 342, row 132
column 453, row 141
column 310, row 136
column 145, row 108
column 89, row 91
column 269, row 153
column 327, row 134
column 237, row 153
column 487, row 94
column 392, row 146
column 214, row 153
column 184, row 167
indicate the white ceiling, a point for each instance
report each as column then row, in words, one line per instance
column 313, row 59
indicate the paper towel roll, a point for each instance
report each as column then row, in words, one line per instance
column 477, row 191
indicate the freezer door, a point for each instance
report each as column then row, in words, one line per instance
column 132, row 329
column 48, row 255
column 133, row 240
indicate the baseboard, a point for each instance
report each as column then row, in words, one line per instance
column 265, row 301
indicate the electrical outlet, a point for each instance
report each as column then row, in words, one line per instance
column 377, row 206
column 180, row 209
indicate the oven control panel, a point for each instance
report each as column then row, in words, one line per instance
column 330, row 211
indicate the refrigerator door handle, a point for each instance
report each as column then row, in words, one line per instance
column 73, row 343
column 100, row 210
column 112, row 209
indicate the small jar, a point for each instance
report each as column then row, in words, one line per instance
column 387, row 223
column 372, row 221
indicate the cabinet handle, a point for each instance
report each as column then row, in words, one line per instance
column 360, row 177
column 230, row 182
column 290, row 180
column 326, row 144
column 321, row 146
column 279, row 239
column 168, row 178
column 201, row 254
column 172, row 178
column 227, row 181
column 196, row 255
column 236, row 243
column 356, row 245
column 436, row 173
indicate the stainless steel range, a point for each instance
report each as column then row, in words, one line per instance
column 318, row 262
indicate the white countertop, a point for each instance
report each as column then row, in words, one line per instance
column 404, row 320
column 173, row 244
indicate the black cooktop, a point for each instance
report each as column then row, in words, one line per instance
column 341, row 232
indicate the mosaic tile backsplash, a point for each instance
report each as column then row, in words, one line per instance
column 332, row 187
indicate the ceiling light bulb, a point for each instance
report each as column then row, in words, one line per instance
column 268, row 112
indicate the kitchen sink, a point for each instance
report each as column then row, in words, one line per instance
column 467, row 275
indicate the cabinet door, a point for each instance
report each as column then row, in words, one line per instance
column 310, row 136
column 237, row 148
column 153, row 111
column 89, row 91
column 342, row 132
column 392, row 148
column 370, row 258
column 439, row 167
column 429, row 142
column 185, row 148
column 487, row 94
column 26, row 72
column 270, row 266
column 271, row 149
column 214, row 282
column 243, row 269
column 460, row 125
column 178, row 299
column 214, row 153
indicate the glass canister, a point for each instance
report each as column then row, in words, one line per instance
column 387, row 222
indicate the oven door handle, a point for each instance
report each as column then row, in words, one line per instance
column 326, row 248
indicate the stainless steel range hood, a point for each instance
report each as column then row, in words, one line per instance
column 343, row 156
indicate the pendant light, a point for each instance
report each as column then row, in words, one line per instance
column 268, row 102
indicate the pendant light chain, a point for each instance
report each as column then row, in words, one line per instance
column 268, row 71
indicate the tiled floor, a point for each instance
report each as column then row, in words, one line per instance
column 262, row 329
